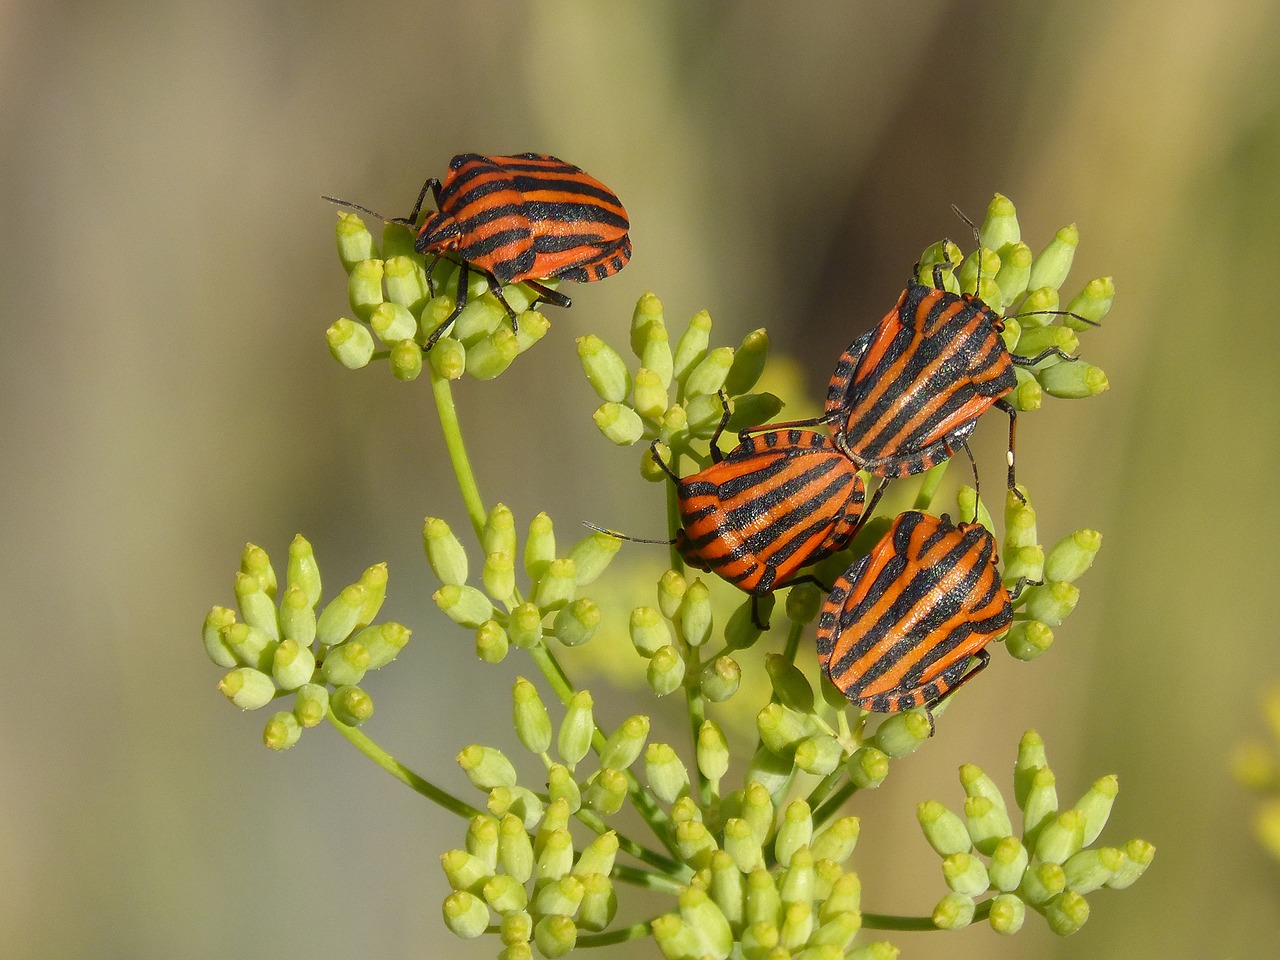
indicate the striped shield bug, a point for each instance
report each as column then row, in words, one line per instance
column 902, row 624
column 519, row 219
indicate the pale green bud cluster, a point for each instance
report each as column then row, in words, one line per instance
column 280, row 643
column 1049, row 865
column 518, row 608
column 1039, row 608
column 1025, row 288
column 396, row 314
column 1256, row 765
column 675, row 393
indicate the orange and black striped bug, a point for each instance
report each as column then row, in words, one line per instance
column 779, row 501
column 519, row 219
column 901, row 625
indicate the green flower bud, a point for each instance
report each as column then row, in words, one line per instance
column 619, row 424
column 553, row 854
column 591, row 555
column 706, row 920
column 297, row 616
column 499, row 576
column 1073, row 381
column 605, row 369
column 748, row 363
column 650, row 394
column 803, row 603
column 557, row 586
column 623, row 746
column 562, row 896
column 728, row 888
column 1034, row 340
column 606, row 792
column 577, row 623
column 482, row 839
column 655, row 353
column 1054, row 262
column 1092, row 303
column 903, row 733
column 819, row 754
column 406, row 361
column 1007, row 914
column 760, row 942
column 345, row 664
column 1138, row 856
column 764, row 905
column 1008, row 862
column 499, row 534
column 944, row 831
column 448, row 358
column 310, row 702
column 462, row 604
column 1027, row 639
column 712, row 752
column 720, row 679
column 1095, row 806
column 953, row 912
column 515, row 849
column 532, row 723
column 364, row 287
column 540, row 547
column 599, row 902
column 880, row 950
column 392, row 323
column 671, row 590
column 1041, row 882
column 292, row 665
column 1001, row 223
column 351, row 705
column 649, row 632
column 1015, row 271
column 946, row 253
column 525, row 626
column 350, row 343
column 781, row 729
column 576, row 729
column 1041, row 804
column 795, row 831
column 515, row 931
column 987, row 823
column 833, row 938
column 1025, row 562
column 1072, row 556
column 770, row 772
column 562, row 786
column 533, row 327
column 985, row 263
column 971, row 508
column 215, row 644
column 797, row 925
column 868, row 767
column 665, row 672
column 465, row 915
column 598, row 856
column 740, row 631
column 406, row 283
column 504, row 895
column 965, row 874
column 742, row 844
column 845, row 898
column 1019, row 523
column 790, row 685
column 757, row 810
column 255, row 562
column 491, row 642
column 282, row 731
column 1089, row 870
column 648, row 313
column 675, row 938
column 489, row 357
column 247, row 688
column 703, row 414
column 694, row 616
column 256, row 607
column 341, row 615
column 1052, row 603
column 355, row 242
column 1031, row 758
column 1027, row 395
column 555, row 935
column 486, row 767
column 708, row 376
column 383, row 642
column 753, row 409
column 522, row 803
column 1066, row 913
column 837, row 841
column 480, row 321
column 692, row 345
column 695, row 844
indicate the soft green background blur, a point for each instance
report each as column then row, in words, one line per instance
column 167, row 395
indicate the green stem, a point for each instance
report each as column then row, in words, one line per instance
column 890, row 921
column 833, row 804
column 652, row 857
column 634, row 932
column 452, row 430
column 929, row 488
column 646, row 878
column 402, row 773
column 824, row 787
column 793, row 641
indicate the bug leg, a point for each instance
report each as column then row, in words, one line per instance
column 464, row 275
column 1043, row 354
column 1007, row 407
column 1021, row 584
column 716, row 455
column 973, row 465
column 755, row 614
column 495, row 287
column 653, row 452
column 983, row 658
column 433, row 185
column 547, row 295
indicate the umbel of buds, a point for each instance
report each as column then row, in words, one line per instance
column 278, row 644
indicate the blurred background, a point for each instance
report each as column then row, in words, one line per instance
column 167, row 395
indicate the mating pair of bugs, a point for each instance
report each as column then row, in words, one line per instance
column 902, row 625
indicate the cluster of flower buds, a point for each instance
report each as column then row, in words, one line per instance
column 1257, row 766
column 498, row 610
column 675, row 394
column 393, row 304
column 318, row 656
column 1050, row 867
column 1025, row 289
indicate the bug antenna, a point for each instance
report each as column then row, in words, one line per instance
column 356, row 206
column 622, row 536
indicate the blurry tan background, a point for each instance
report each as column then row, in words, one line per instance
column 166, row 395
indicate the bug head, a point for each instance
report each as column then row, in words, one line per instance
column 439, row 232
